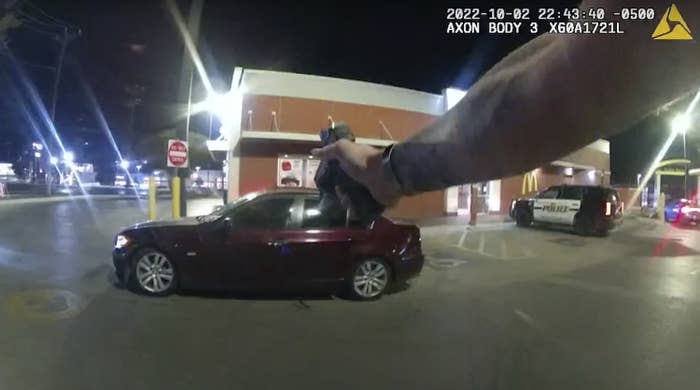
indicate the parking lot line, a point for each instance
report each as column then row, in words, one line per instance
column 463, row 237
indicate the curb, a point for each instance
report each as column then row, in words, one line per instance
column 50, row 199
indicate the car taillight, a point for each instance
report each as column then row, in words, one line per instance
column 622, row 207
column 608, row 209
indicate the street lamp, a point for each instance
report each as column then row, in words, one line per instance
column 680, row 125
column 68, row 157
column 222, row 105
column 53, row 160
column 124, row 164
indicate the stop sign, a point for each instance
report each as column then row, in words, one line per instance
column 177, row 153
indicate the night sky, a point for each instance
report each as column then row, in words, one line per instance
column 130, row 51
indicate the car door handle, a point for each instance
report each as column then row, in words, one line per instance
column 277, row 243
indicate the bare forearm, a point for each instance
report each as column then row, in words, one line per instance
column 546, row 100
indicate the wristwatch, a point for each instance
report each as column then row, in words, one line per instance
column 388, row 169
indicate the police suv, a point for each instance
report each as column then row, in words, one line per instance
column 589, row 210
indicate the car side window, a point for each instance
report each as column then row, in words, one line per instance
column 314, row 218
column 571, row 193
column 550, row 193
column 272, row 213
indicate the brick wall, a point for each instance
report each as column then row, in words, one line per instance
column 309, row 115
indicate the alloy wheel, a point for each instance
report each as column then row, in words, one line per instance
column 370, row 279
column 154, row 272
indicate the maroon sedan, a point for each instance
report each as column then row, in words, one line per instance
column 270, row 240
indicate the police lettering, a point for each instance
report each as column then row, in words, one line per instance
column 555, row 208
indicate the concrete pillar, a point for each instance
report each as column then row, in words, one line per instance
column 473, row 196
column 660, row 206
column 233, row 132
column 657, row 188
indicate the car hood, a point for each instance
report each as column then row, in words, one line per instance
column 188, row 221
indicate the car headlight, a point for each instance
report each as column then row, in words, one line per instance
column 121, row 242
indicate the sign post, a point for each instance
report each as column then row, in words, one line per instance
column 178, row 157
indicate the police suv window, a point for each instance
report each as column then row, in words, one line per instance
column 551, row 193
column 575, row 193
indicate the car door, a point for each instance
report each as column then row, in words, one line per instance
column 323, row 247
column 544, row 204
column 568, row 204
column 254, row 241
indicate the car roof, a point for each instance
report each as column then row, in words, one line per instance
column 584, row 186
column 284, row 191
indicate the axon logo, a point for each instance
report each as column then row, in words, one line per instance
column 672, row 26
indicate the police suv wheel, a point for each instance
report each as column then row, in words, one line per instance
column 583, row 225
column 523, row 218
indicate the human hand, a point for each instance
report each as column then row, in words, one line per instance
column 364, row 164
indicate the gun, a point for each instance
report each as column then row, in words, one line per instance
column 330, row 175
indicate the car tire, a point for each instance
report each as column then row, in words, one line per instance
column 368, row 280
column 523, row 218
column 583, row 225
column 152, row 273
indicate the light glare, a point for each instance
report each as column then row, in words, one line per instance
column 680, row 124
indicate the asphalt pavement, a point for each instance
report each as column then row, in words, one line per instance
column 496, row 307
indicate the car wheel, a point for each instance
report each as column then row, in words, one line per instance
column 153, row 273
column 369, row 279
column 583, row 225
column 523, row 218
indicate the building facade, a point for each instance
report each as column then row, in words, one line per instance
column 276, row 118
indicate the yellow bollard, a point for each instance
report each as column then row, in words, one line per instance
column 152, row 198
column 176, row 197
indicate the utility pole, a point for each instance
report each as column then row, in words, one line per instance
column 185, row 92
column 64, row 40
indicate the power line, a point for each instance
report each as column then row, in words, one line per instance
column 46, row 15
column 38, row 30
column 29, row 18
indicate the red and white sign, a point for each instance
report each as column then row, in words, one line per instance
column 290, row 171
column 177, row 153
